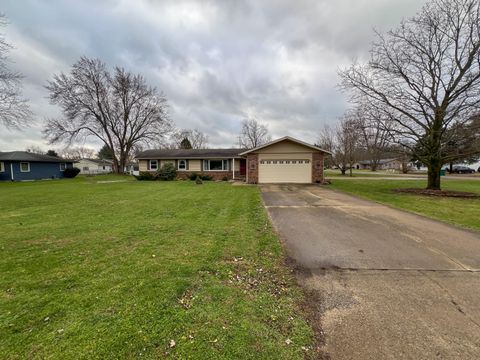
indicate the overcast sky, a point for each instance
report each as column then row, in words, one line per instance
column 217, row 61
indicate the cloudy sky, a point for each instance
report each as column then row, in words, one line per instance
column 217, row 61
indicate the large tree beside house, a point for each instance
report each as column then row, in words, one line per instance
column 116, row 107
column 425, row 74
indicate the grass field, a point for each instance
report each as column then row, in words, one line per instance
column 93, row 268
column 460, row 212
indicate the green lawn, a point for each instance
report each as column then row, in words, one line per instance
column 460, row 212
column 329, row 173
column 92, row 268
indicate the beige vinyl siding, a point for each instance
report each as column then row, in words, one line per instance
column 284, row 147
column 142, row 165
column 194, row 165
column 294, row 156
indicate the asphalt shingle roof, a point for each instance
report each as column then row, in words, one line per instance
column 28, row 156
column 189, row 153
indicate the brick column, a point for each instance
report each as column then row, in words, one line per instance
column 317, row 167
column 252, row 168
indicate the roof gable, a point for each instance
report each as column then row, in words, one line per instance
column 286, row 139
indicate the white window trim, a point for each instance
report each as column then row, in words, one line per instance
column 24, row 171
column 178, row 165
column 65, row 166
column 2, row 166
column 224, row 164
column 150, row 164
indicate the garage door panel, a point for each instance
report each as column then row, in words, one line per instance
column 277, row 170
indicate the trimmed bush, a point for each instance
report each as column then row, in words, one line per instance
column 193, row 176
column 71, row 172
column 198, row 181
column 167, row 172
column 145, row 175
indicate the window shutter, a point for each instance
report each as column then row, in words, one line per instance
column 186, row 164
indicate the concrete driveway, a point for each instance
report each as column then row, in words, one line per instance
column 387, row 284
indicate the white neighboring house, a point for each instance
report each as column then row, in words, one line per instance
column 94, row 166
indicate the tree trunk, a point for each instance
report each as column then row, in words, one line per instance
column 435, row 160
column 116, row 166
column 451, row 167
column 434, row 174
column 343, row 170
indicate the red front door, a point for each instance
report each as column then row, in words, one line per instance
column 243, row 167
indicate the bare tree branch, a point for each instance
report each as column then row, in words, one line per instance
column 253, row 134
column 14, row 109
column 117, row 108
column 425, row 75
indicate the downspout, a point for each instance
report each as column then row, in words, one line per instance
column 11, row 171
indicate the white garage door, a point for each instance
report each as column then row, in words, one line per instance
column 284, row 171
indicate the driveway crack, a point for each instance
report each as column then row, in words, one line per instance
column 452, row 299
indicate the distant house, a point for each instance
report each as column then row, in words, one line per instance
column 22, row 165
column 94, row 166
column 383, row 164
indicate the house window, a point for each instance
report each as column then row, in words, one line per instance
column 182, row 165
column 215, row 165
column 85, row 168
column 63, row 166
column 24, row 167
column 153, row 164
column 2, row 166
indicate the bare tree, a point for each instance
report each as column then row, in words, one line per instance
column 347, row 140
column 253, row 134
column 35, row 149
column 118, row 108
column 374, row 130
column 196, row 138
column 342, row 141
column 327, row 141
column 426, row 74
column 14, row 109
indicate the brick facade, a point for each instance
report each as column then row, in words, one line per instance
column 317, row 167
column 252, row 168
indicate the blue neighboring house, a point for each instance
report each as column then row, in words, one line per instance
column 22, row 165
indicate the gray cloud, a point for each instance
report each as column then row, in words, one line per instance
column 217, row 61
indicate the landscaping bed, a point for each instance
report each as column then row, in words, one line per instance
column 441, row 193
